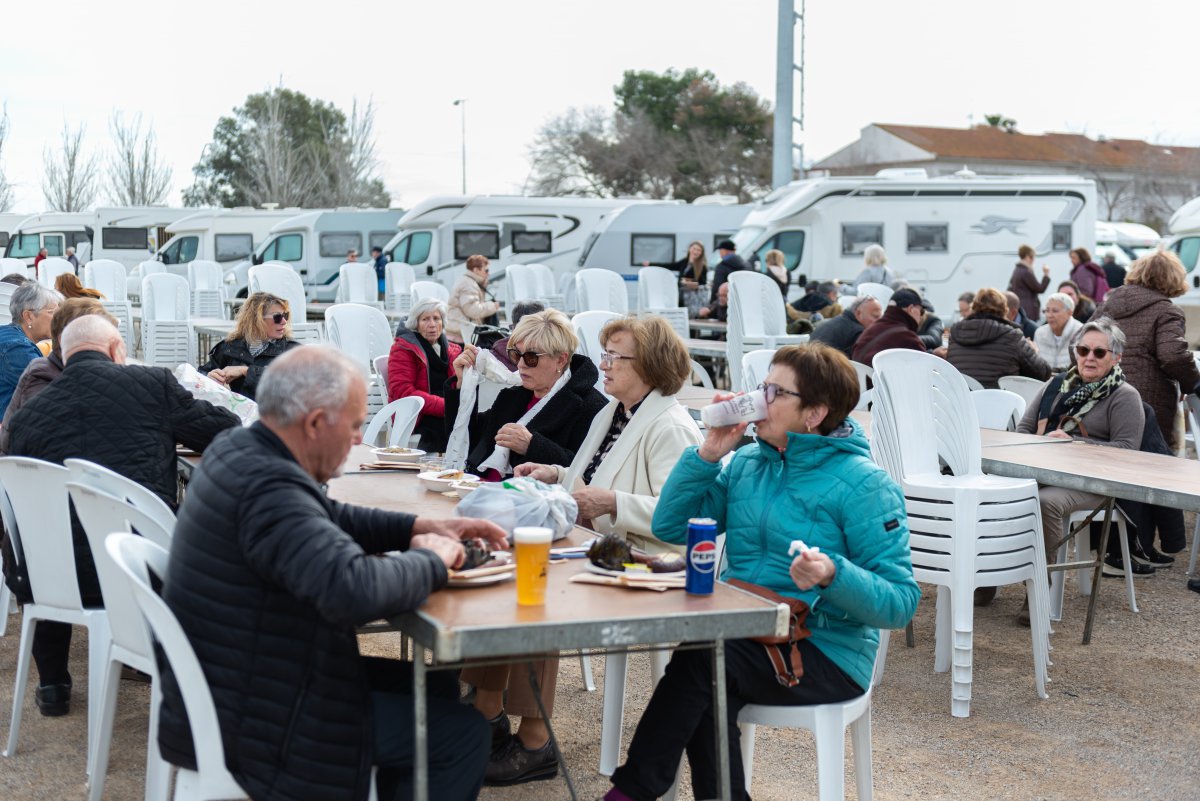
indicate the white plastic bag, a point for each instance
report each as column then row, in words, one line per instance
column 522, row 502
column 204, row 388
column 487, row 369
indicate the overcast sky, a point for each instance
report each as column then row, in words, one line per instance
column 1102, row 67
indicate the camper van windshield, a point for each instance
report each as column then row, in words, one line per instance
column 181, row 250
column 24, row 246
column 1188, row 249
column 746, row 235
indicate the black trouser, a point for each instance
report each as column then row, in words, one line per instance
column 52, row 643
column 459, row 737
column 680, row 715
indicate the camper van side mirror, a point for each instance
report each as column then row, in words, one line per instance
column 255, row 258
column 429, row 269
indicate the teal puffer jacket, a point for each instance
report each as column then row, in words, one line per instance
column 826, row 491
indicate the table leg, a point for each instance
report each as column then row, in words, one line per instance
column 562, row 762
column 721, row 720
column 420, row 716
column 1101, row 552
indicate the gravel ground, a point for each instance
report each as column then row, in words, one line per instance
column 1119, row 723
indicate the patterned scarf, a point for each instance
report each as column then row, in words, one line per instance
column 1075, row 398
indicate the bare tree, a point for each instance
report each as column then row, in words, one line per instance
column 277, row 171
column 70, row 177
column 136, row 174
column 564, row 154
column 350, row 163
column 6, row 190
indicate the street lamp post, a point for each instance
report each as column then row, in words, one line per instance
column 462, row 105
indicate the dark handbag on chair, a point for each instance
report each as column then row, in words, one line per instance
column 782, row 651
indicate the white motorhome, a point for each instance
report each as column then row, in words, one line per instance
column 1124, row 241
column 945, row 235
column 127, row 235
column 1183, row 231
column 53, row 230
column 315, row 243
column 8, row 226
column 438, row 234
column 657, row 234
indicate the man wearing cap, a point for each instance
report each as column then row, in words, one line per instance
column 731, row 262
column 897, row 328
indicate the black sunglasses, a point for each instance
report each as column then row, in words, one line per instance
column 529, row 357
column 1084, row 350
column 278, row 317
column 770, row 391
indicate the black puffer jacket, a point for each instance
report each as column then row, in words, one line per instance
column 236, row 353
column 127, row 419
column 268, row 578
column 987, row 348
column 841, row 332
column 558, row 430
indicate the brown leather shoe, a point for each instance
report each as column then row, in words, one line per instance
column 984, row 596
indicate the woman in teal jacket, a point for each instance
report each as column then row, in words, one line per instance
column 808, row 477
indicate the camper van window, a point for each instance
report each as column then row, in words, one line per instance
column 790, row 242
column 53, row 243
column 1188, row 248
column 856, row 237
column 930, row 238
column 289, row 247
column 378, row 239
column 181, row 251
column 657, row 250
column 530, row 241
column 124, row 239
column 229, row 247
column 468, row 243
column 24, row 246
column 339, row 243
column 77, row 238
column 1060, row 236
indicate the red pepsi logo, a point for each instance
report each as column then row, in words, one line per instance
column 703, row 557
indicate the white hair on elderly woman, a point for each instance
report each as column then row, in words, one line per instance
column 33, row 297
column 1106, row 326
column 306, row 379
column 421, row 307
column 875, row 256
column 1063, row 299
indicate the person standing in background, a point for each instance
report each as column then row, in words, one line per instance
column 1113, row 272
column 380, row 261
column 875, row 270
column 71, row 258
column 1025, row 284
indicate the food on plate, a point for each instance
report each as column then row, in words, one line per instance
column 613, row 553
column 396, row 449
column 450, row 475
column 477, row 552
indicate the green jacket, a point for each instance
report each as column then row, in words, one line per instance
column 826, row 491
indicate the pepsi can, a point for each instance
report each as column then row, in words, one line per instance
column 701, row 556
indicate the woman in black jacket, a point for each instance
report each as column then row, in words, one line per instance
column 263, row 333
column 546, row 418
column 693, row 274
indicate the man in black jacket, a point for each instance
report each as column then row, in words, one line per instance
column 127, row 419
column 842, row 332
column 268, row 577
column 730, row 262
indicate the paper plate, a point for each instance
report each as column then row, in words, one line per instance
column 633, row 575
column 431, row 482
column 398, row 454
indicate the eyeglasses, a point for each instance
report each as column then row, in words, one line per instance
column 771, row 391
column 610, row 358
column 279, row 318
column 1084, row 350
column 529, row 357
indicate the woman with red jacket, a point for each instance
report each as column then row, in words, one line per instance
column 419, row 365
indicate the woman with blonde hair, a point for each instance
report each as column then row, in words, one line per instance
column 875, row 269
column 263, row 332
column 69, row 286
column 776, row 270
column 693, row 274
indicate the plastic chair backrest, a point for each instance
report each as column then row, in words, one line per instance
column 137, row 558
column 357, row 283
column 361, row 332
column 37, row 491
column 972, row 383
column 402, row 413
column 280, row 280
column 864, row 372
column 880, row 292
column 587, row 327
column 756, row 305
column 164, row 297
column 924, row 404
column 998, row 408
column 520, row 284
column 700, row 374
column 658, row 288
column 113, row 483
column 429, row 289
column 205, row 275
column 6, row 293
column 51, row 268
column 755, row 366
column 398, row 277
column 150, row 267
column 1027, row 388
column 108, row 277
column 11, row 265
column 543, row 278
column 597, row 289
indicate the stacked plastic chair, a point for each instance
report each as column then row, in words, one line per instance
column 363, row 334
column 587, row 325
column 881, row 292
column 756, row 319
column 167, row 336
column 206, row 278
column 966, row 529
column 428, row 289
column 51, row 268
column 110, row 279
column 357, row 283
column 145, row 268
column 598, row 289
column 398, row 279
column 658, row 293
column 547, row 292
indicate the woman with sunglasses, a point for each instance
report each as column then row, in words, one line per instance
column 988, row 345
column 262, row 334
column 543, row 420
column 809, row 477
column 418, row 366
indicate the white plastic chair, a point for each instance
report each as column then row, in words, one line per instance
column 967, row 529
column 547, row 292
column 207, row 281
column 6, row 293
column 51, row 268
column 597, row 289
column 616, row 666
column 880, row 292
column 357, row 283
column 519, row 284
column 1082, row 545
column 400, row 417
column 398, row 279
column 167, row 336
column 756, row 319
column 701, row 375
column 428, row 289
column 1027, row 388
column 362, row 333
column 282, row 280
column 755, row 366
column 144, row 268
column 137, row 557
column 11, row 265
column 587, row 327
column 658, row 288
column 998, row 408
column 8, row 604
column 380, row 364
column 112, row 483
column 828, row 723
column 37, row 491
column 102, row 514
column 112, row 281
column 864, row 372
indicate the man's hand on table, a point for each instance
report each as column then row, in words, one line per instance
column 461, row 528
column 449, row 551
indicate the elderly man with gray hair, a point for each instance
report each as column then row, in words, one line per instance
column 269, row 577
column 418, row 366
column 842, row 332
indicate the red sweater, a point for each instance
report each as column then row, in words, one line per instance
column 408, row 373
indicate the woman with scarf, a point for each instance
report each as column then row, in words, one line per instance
column 263, row 333
column 418, row 366
column 1091, row 402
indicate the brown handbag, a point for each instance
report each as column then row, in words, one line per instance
column 782, row 651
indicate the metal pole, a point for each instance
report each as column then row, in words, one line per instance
column 785, row 57
column 462, row 106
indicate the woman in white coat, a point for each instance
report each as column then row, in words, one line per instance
column 467, row 304
column 615, row 477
